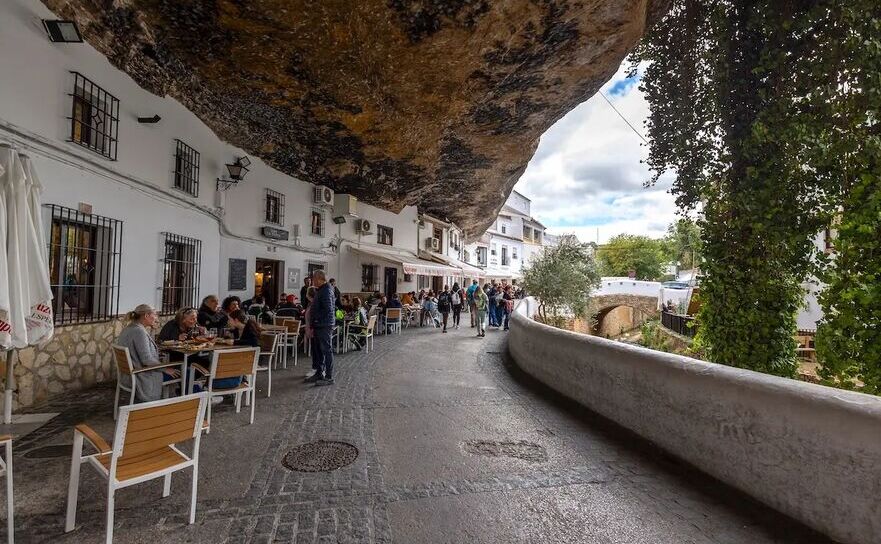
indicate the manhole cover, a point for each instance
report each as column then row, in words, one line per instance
column 50, row 452
column 521, row 449
column 321, row 456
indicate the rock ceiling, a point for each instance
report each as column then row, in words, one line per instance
column 432, row 103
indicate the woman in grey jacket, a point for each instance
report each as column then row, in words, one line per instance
column 144, row 352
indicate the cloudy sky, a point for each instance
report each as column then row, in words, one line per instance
column 586, row 174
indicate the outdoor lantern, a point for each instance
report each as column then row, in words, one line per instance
column 237, row 171
column 61, row 31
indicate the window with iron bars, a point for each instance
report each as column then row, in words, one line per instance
column 274, row 208
column 94, row 117
column 384, row 235
column 423, row 282
column 84, row 268
column 317, row 222
column 181, row 266
column 186, row 168
column 369, row 278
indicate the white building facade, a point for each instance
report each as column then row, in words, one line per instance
column 511, row 242
column 135, row 214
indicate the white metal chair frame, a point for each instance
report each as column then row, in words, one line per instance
column 123, row 359
column 365, row 332
column 137, row 446
column 394, row 318
column 268, row 352
column 292, row 338
column 245, row 363
column 6, row 470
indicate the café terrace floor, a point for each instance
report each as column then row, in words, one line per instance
column 455, row 445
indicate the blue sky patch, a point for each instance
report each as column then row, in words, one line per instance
column 623, row 86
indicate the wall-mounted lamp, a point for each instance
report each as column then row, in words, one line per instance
column 149, row 120
column 237, row 171
column 339, row 220
column 62, row 31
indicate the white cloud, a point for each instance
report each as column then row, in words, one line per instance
column 587, row 173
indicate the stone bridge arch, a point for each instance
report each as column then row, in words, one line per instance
column 644, row 308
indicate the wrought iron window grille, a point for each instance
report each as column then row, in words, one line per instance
column 84, row 265
column 94, row 117
column 181, row 272
column 274, row 207
column 186, row 168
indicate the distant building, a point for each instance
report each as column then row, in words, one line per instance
column 511, row 241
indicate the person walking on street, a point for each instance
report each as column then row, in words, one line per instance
column 481, row 303
column 458, row 298
column 323, row 317
column 507, row 304
column 469, row 295
column 493, row 303
column 445, row 304
column 309, row 336
column 307, row 283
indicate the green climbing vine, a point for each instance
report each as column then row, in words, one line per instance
column 753, row 107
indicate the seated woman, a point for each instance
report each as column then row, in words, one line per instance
column 182, row 327
column 248, row 335
column 429, row 309
column 210, row 315
column 144, row 353
column 358, row 324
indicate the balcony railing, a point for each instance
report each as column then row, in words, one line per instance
column 680, row 324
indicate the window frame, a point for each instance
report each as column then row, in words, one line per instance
column 380, row 231
column 186, row 156
column 189, row 264
column 369, row 277
column 273, row 207
column 98, row 133
column 321, row 222
column 106, row 250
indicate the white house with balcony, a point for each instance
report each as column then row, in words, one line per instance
column 510, row 242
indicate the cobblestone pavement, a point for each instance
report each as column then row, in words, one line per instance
column 455, row 446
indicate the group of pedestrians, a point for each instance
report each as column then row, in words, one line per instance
column 493, row 302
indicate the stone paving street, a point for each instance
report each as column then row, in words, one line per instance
column 455, row 446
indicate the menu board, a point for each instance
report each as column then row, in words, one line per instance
column 238, row 274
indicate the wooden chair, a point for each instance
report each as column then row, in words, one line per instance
column 268, row 352
column 144, row 448
column 231, row 363
column 293, row 336
column 365, row 332
column 124, row 367
column 393, row 319
column 6, row 470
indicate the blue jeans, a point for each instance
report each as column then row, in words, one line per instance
column 493, row 321
column 322, row 351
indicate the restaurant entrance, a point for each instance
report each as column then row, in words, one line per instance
column 267, row 280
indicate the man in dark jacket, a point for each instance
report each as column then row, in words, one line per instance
column 323, row 319
column 336, row 294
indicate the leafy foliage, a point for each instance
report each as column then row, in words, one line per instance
column 562, row 278
column 752, row 105
column 683, row 243
column 629, row 252
column 849, row 337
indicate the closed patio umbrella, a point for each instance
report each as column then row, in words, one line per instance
column 25, row 295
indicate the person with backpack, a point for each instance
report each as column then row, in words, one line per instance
column 481, row 303
column 469, row 295
column 445, row 304
column 493, row 304
column 458, row 303
column 508, row 304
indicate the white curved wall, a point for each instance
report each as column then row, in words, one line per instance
column 809, row 451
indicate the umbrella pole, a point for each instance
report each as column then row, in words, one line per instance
column 10, row 386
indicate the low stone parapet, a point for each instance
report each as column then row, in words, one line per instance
column 809, row 451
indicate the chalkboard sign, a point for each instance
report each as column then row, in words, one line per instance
column 238, row 274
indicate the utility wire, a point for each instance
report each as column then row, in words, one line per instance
column 609, row 102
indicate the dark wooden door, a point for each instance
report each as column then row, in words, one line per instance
column 391, row 281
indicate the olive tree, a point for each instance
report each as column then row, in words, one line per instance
column 562, row 278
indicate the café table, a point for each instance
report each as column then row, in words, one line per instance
column 187, row 349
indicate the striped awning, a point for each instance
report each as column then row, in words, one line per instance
column 409, row 262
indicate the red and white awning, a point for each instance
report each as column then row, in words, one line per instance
column 409, row 262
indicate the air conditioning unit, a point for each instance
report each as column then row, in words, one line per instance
column 344, row 204
column 363, row 226
column 432, row 244
column 322, row 195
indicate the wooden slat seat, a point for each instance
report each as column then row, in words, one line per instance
column 145, row 463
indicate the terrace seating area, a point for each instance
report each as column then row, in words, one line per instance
column 446, row 431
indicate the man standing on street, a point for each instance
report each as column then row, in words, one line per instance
column 307, row 283
column 322, row 316
column 469, row 294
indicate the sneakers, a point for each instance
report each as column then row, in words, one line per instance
column 321, row 382
column 216, row 400
column 444, row 331
column 312, row 378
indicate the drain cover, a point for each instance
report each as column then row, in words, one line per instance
column 50, row 452
column 528, row 451
column 321, row 456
